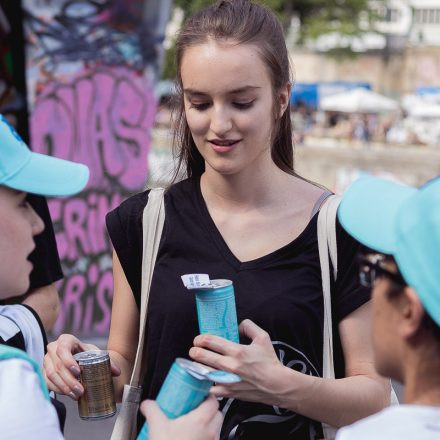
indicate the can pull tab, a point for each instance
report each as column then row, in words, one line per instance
column 196, row 280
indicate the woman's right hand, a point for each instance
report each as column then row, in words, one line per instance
column 61, row 371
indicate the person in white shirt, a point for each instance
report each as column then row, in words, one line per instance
column 25, row 408
column 401, row 227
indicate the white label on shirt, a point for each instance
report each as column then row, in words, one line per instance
column 196, row 280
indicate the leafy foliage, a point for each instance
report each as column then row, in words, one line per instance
column 317, row 18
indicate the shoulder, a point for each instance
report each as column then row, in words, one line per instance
column 132, row 208
column 310, row 191
column 128, row 208
column 124, row 223
column 19, row 379
column 15, row 319
column 391, row 423
column 23, row 406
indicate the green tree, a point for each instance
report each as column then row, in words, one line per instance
column 317, row 17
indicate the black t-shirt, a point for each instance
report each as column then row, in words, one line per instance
column 281, row 292
column 45, row 259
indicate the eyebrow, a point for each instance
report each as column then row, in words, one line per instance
column 192, row 92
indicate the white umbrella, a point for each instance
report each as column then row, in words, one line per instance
column 424, row 110
column 421, row 107
column 358, row 100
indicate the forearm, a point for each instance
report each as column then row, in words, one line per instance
column 336, row 402
column 126, row 368
column 124, row 328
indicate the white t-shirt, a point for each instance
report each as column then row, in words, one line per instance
column 20, row 328
column 397, row 422
column 24, row 411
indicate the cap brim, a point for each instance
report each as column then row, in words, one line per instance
column 368, row 210
column 50, row 176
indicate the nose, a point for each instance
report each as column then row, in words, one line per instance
column 221, row 121
column 36, row 222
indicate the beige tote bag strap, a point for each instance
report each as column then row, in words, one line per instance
column 327, row 246
column 152, row 225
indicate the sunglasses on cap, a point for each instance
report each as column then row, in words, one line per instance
column 375, row 265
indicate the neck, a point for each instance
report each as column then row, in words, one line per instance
column 422, row 380
column 250, row 187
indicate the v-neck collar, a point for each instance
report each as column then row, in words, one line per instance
column 223, row 248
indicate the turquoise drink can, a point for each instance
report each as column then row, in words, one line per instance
column 185, row 388
column 216, row 310
column 182, row 391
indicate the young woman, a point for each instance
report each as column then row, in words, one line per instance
column 242, row 214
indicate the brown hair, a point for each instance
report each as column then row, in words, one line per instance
column 240, row 21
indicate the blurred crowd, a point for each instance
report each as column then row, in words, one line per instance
column 363, row 128
column 395, row 128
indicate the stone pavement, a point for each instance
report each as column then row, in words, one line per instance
column 78, row 429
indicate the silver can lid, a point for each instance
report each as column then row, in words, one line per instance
column 217, row 284
column 219, row 376
column 192, row 368
column 202, row 372
column 91, row 357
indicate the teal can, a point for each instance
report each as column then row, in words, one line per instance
column 216, row 310
column 182, row 391
column 186, row 386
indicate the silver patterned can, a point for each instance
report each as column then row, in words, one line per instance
column 98, row 400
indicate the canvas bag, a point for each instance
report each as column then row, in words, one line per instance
column 152, row 225
column 327, row 246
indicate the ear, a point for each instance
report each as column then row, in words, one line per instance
column 284, row 98
column 412, row 313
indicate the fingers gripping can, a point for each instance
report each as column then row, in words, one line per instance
column 183, row 390
column 98, row 400
column 215, row 302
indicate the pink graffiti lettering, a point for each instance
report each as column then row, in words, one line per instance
column 73, row 290
column 104, row 295
column 86, row 304
column 80, row 224
column 101, row 118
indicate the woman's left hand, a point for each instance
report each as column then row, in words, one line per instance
column 257, row 364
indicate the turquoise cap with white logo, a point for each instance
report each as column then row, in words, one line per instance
column 401, row 221
column 24, row 170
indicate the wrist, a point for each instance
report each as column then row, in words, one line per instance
column 293, row 388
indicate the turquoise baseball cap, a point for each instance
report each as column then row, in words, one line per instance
column 401, row 221
column 24, row 170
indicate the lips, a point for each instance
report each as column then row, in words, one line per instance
column 223, row 143
column 223, row 146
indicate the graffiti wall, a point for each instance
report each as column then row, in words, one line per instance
column 91, row 69
column 12, row 78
